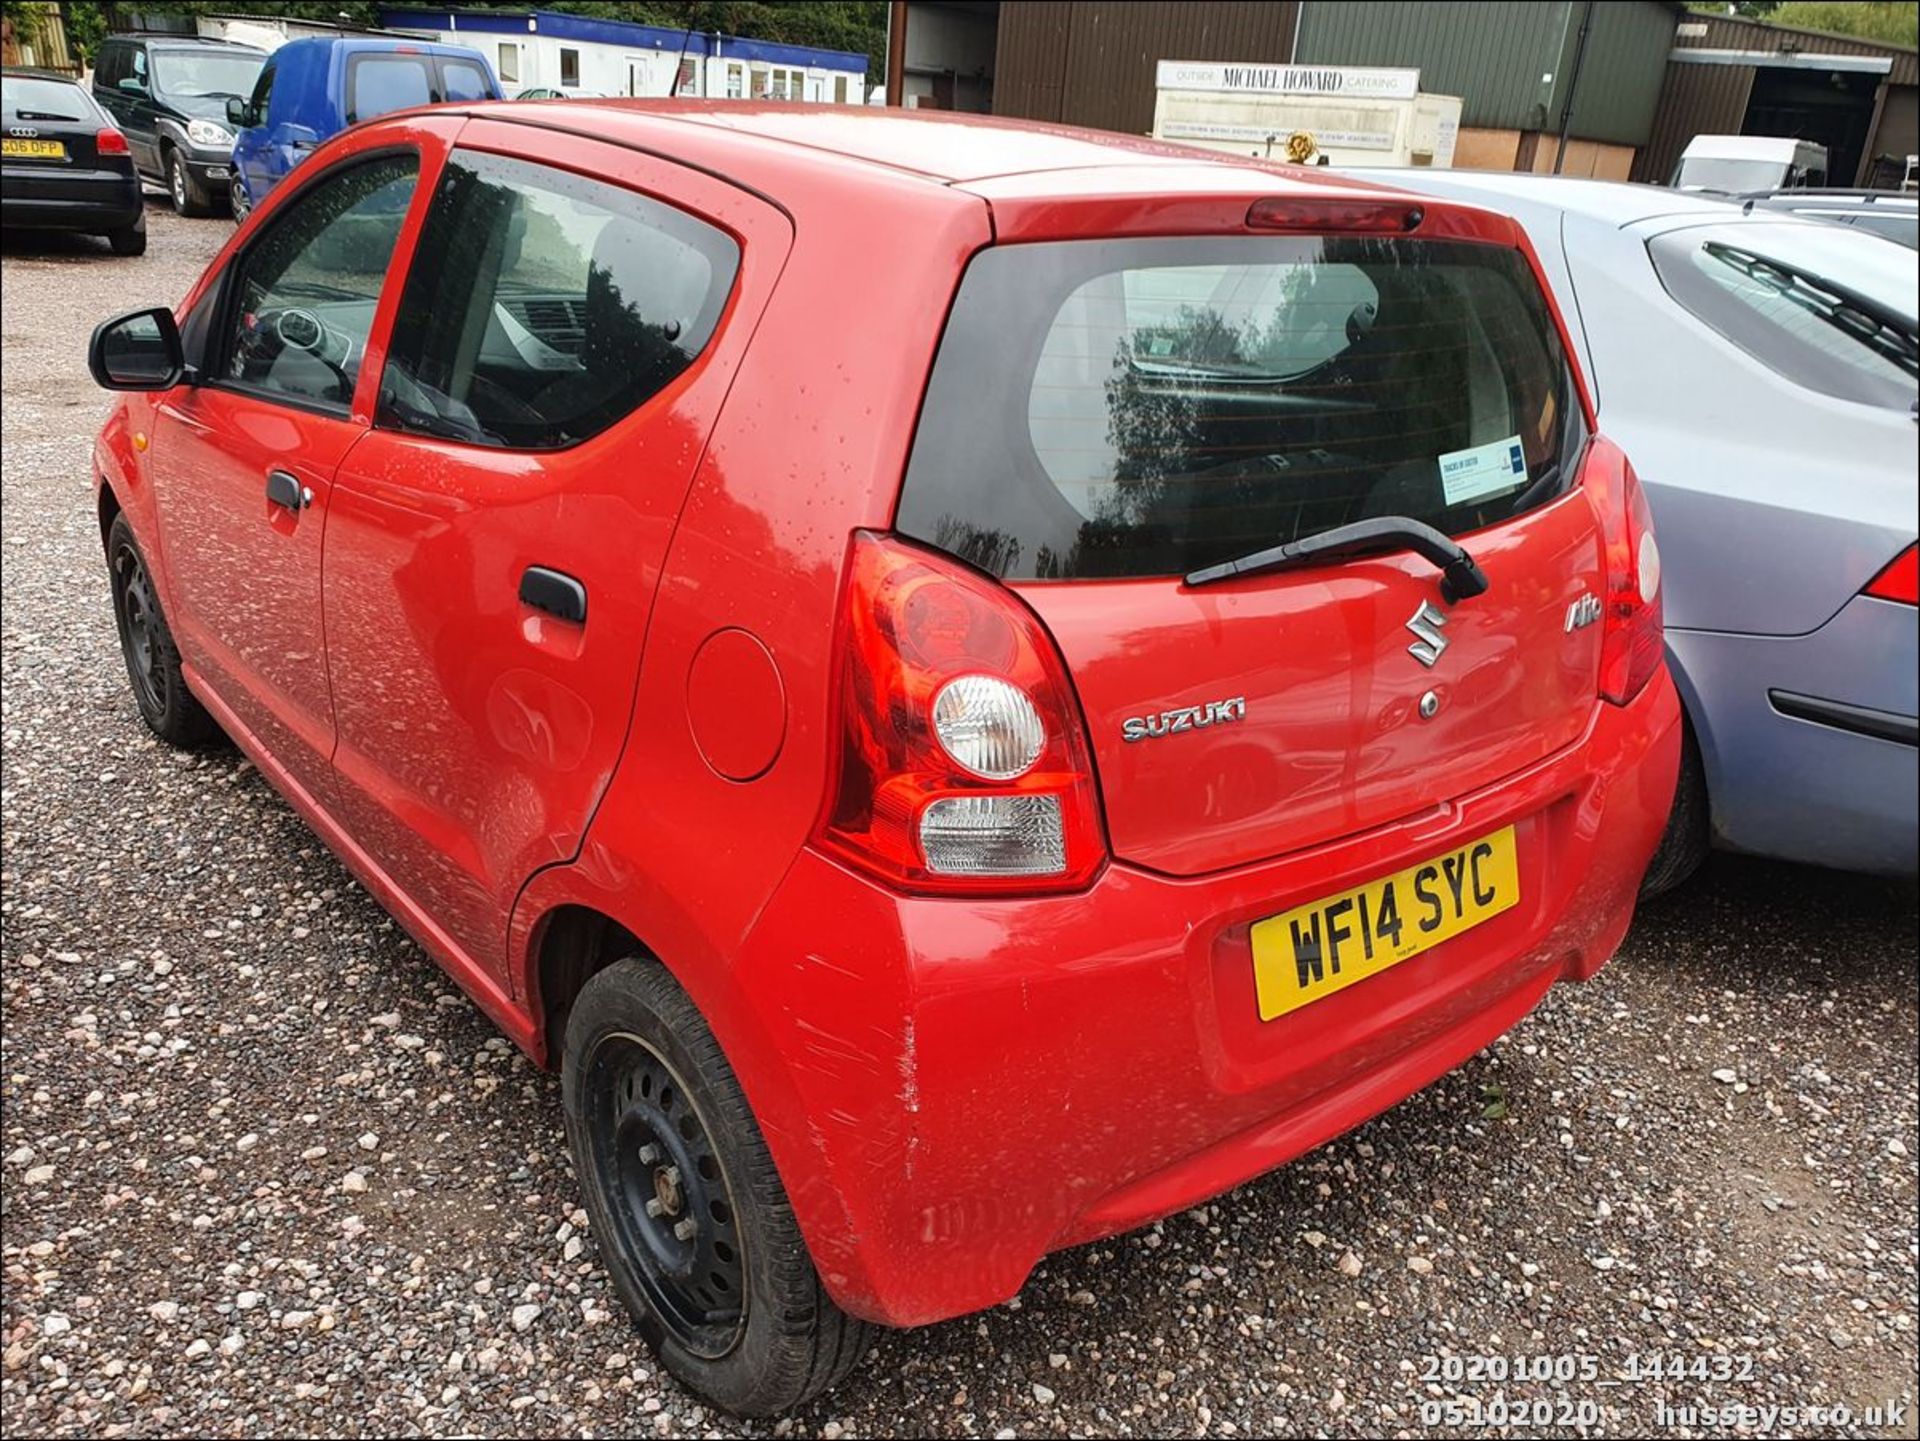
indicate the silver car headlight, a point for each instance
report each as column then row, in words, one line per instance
column 205, row 132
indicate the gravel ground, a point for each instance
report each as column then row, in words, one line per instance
column 266, row 1172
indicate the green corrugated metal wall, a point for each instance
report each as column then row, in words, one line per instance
column 1494, row 54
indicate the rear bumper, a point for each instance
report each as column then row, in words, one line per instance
column 69, row 201
column 970, row 1085
column 1803, row 740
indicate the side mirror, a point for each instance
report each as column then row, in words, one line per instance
column 137, row 351
column 239, row 113
column 132, row 84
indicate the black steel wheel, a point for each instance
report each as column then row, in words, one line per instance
column 146, row 644
column 675, row 1215
column 688, row 1212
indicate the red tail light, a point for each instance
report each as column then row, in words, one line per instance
column 1634, row 634
column 1900, row 580
column 1280, row 213
column 110, row 142
column 963, row 761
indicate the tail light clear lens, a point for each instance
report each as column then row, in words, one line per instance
column 1900, row 580
column 1633, row 637
column 963, row 763
column 110, row 142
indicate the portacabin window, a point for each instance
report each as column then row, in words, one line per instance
column 569, row 67
column 553, row 306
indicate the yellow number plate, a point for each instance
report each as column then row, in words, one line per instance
column 33, row 149
column 1314, row 950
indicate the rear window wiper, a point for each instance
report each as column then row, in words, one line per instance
column 1460, row 577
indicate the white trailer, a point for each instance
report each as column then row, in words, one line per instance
column 1349, row 115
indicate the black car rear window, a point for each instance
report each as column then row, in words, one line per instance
column 1148, row 407
column 29, row 98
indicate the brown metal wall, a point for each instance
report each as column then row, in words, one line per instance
column 1091, row 62
column 1725, row 33
column 1694, row 100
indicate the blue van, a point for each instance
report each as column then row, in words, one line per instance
column 312, row 89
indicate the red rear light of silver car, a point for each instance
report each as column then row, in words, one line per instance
column 1633, row 637
column 1900, row 581
column 963, row 761
column 110, row 141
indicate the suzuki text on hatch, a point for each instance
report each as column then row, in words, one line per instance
column 969, row 685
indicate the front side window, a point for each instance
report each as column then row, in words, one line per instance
column 377, row 84
column 1119, row 408
column 262, row 93
column 1836, row 315
column 547, row 305
column 303, row 294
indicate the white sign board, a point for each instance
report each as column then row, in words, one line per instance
column 1346, row 82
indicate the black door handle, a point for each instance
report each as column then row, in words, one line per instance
column 554, row 592
column 286, row 490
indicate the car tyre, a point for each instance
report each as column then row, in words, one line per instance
column 130, row 239
column 239, row 200
column 190, row 197
column 170, row 710
column 686, row 1207
column 1689, row 835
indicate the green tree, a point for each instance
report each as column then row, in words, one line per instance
column 1889, row 22
column 1748, row 9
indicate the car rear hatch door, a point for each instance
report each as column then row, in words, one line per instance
column 50, row 127
column 1107, row 416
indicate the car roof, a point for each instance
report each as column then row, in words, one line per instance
column 398, row 43
column 941, row 146
column 1815, row 199
column 1611, row 202
column 1746, row 147
column 189, row 42
column 30, row 72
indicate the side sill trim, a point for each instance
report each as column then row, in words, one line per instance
column 1857, row 719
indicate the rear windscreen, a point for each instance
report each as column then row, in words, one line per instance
column 1147, row 407
column 26, row 97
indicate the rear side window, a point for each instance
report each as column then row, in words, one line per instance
column 1815, row 331
column 545, row 305
column 463, row 80
column 377, row 84
column 1148, row 407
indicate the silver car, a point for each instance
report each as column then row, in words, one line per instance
column 1761, row 371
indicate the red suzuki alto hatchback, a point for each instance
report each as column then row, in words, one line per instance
column 875, row 642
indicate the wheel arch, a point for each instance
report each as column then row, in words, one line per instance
column 567, row 947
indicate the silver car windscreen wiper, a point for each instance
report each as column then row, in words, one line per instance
column 1460, row 577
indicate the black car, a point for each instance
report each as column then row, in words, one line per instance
column 170, row 93
column 64, row 165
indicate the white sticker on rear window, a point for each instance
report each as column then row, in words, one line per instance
column 1482, row 471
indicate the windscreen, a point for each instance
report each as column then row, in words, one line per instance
column 24, row 97
column 1118, row 408
column 1734, row 177
column 206, row 74
column 1827, row 307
